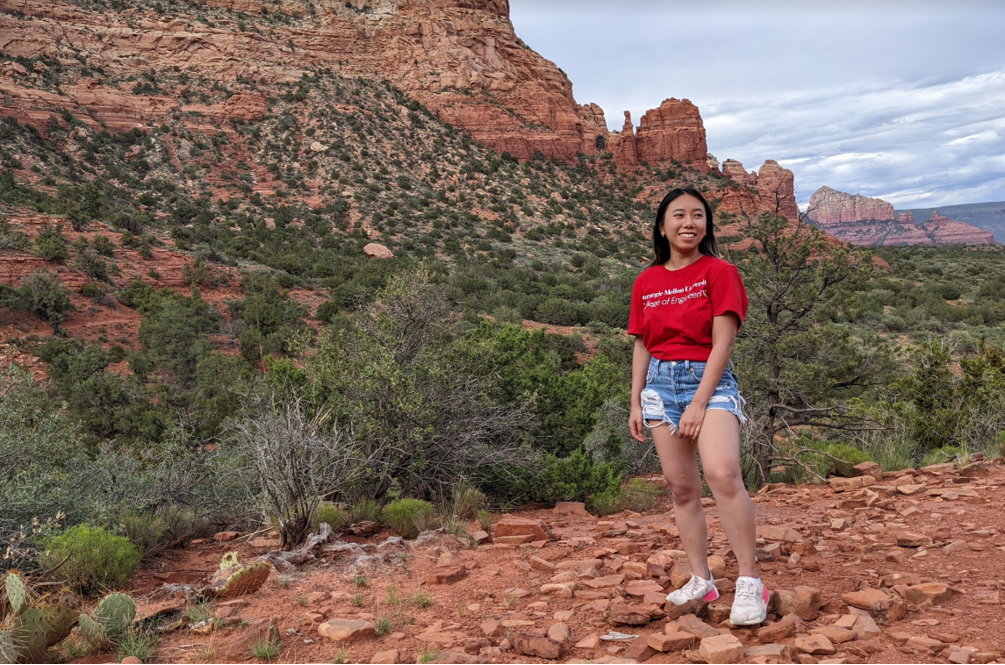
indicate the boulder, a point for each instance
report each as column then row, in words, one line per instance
column 346, row 630
column 377, row 251
column 721, row 649
column 884, row 608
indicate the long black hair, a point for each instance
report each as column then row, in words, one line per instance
column 661, row 245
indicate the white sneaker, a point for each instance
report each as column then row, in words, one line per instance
column 696, row 587
column 750, row 603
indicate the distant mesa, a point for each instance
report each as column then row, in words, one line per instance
column 861, row 220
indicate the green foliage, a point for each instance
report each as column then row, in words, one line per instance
column 641, row 495
column 406, row 516
column 271, row 318
column 943, row 455
column 175, row 334
column 138, row 643
column 574, row 478
column 51, row 246
column 97, row 558
column 331, row 515
column 42, row 293
column 607, row 502
column 798, row 361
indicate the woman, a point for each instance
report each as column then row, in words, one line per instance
column 686, row 309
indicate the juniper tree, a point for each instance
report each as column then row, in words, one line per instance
column 798, row 362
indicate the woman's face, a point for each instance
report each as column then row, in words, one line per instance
column 684, row 223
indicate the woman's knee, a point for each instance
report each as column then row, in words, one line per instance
column 685, row 494
column 726, row 479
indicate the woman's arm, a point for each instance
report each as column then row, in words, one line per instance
column 640, row 367
column 723, row 335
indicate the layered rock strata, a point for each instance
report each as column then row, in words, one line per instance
column 861, row 220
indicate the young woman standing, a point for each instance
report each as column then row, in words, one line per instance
column 686, row 309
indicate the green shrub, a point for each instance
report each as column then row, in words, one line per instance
column 407, row 516
column 641, row 495
column 331, row 515
column 42, row 293
column 846, row 458
column 943, row 455
column 605, row 503
column 575, row 478
column 367, row 509
column 92, row 265
column 51, row 246
column 466, row 500
column 97, row 559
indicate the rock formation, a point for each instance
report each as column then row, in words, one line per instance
column 945, row 231
column 623, row 145
column 829, row 206
column 674, row 131
column 861, row 220
column 774, row 187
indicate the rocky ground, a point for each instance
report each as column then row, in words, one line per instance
column 883, row 568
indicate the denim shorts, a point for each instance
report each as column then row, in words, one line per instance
column 671, row 385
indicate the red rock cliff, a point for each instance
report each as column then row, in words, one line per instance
column 829, row 206
column 673, row 131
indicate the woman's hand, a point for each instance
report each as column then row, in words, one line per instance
column 690, row 421
column 635, row 424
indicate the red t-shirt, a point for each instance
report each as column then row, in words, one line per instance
column 673, row 309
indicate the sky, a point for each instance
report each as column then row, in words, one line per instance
column 901, row 100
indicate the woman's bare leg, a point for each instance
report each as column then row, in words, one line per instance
column 680, row 467
column 719, row 445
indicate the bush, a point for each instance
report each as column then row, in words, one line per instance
column 605, row 503
column 43, row 293
column 847, row 458
column 92, row 265
column 408, row 516
column 943, row 455
column 330, row 514
column 641, row 495
column 97, row 559
column 51, row 246
column 575, row 478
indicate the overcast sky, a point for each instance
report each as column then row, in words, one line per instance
column 895, row 99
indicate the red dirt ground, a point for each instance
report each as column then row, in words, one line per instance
column 837, row 558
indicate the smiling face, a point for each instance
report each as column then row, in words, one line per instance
column 684, row 224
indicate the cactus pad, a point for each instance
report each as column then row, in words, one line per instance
column 239, row 580
column 8, row 653
column 115, row 613
column 17, row 592
column 229, row 561
column 93, row 632
column 31, row 634
column 60, row 619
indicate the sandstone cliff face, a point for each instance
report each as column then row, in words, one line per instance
column 829, row 206
column 773, row 190
column 861, row 220
column 673, row 131
column 461, row 58
column 945, row 231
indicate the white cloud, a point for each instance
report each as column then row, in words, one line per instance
column 901, row 100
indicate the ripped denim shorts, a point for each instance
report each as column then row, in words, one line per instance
column 671, row 385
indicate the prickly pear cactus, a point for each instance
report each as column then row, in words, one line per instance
column 93, row 632
column 31, row 634
column 17, row 592
column 8, row 653
column 238, row 580
column 115, row 613
column 60, row 619
column 229, row 561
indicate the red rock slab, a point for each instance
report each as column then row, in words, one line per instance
column 673, row 641
column 515, row 526
column 721, row 649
